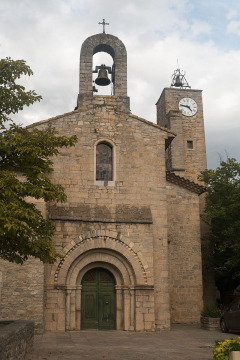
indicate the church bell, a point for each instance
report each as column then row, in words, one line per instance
column 178, row 82
column 102, row 79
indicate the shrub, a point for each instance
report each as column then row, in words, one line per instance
column 211, row 311
column 222, row 349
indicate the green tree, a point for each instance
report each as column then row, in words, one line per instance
column 25, row 168
column 222, row 214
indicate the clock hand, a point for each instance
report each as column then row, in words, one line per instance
column 187, row 106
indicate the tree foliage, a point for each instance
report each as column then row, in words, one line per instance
column 222, row 214
column 25, row 168
column 13, row 96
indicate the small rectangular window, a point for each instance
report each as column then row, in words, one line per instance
column 189, row 144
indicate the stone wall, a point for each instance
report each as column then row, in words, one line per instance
column 16, row 339
column 145, row 317
column 22, row 291
column 185, row 268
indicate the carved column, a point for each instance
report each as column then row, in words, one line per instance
column 78, row 307
column 119, row 307
column 126, row 309
column 73, row 309
column 132, row 309
column 68, row 308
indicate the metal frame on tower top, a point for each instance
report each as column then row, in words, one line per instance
column 179, row 80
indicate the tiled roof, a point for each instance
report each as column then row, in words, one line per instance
column 185, row 183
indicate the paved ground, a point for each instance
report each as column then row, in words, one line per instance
column 185, row 342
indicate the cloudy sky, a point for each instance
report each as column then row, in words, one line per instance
column 202, row 36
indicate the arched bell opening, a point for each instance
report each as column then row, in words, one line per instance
column 103, row 74
column 112, row 46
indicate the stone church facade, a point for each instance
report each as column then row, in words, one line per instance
column 129, row 232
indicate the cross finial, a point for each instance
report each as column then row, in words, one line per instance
column 103, row 24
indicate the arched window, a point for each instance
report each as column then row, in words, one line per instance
column 104, row 162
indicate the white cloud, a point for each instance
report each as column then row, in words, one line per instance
column 199, row 28
column 234, row 27
column 231, row 14
column 48, row 34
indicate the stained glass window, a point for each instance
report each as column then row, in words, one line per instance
column 104, row 162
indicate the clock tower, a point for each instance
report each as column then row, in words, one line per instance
column 180, row 110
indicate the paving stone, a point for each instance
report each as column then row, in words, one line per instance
column 183, row 342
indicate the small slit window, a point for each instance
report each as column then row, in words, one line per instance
column 104, row 162
column 189, row 144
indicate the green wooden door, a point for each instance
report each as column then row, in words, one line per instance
column 98, row 300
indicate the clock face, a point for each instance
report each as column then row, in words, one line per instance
column 188, row 106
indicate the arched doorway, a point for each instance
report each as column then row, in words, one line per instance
column 98, row 300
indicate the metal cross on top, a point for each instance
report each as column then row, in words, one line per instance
column 103, row 24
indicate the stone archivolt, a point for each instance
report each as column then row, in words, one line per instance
column 98, row 250
column 114, row 247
